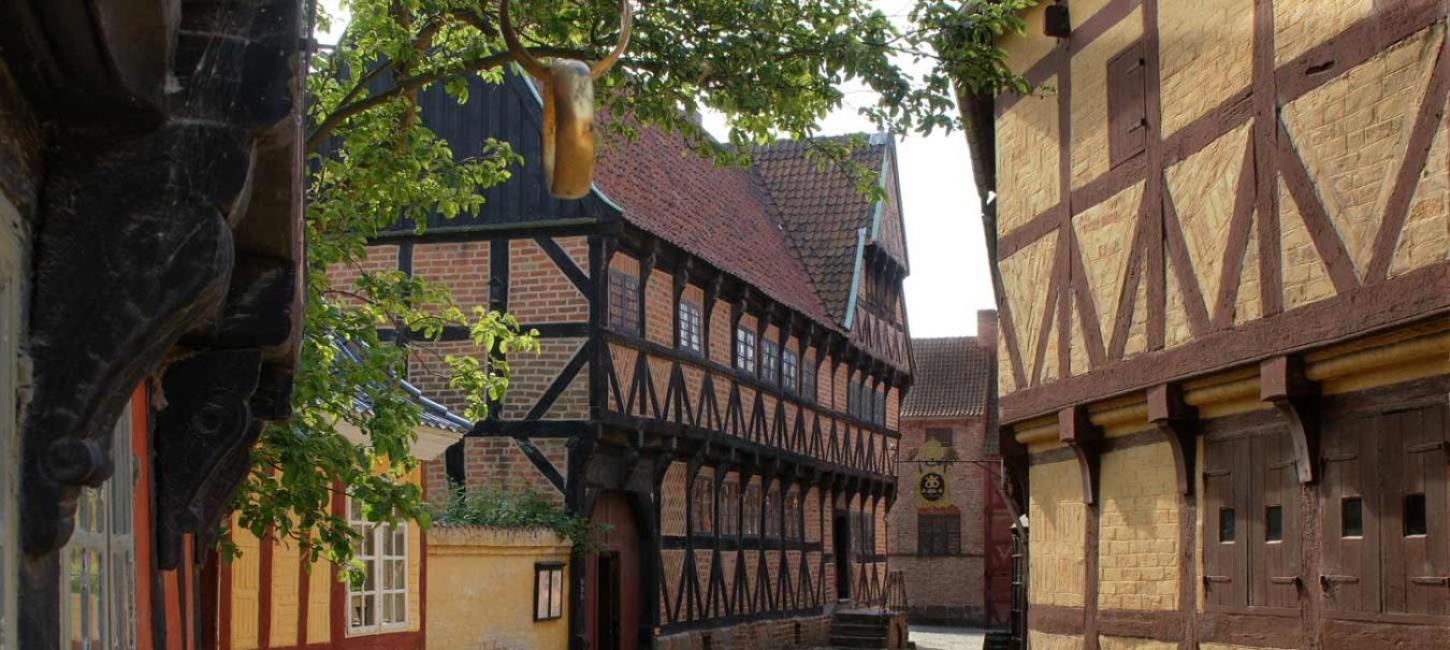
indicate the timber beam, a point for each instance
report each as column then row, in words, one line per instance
column 1084, row 438
column 1282, row 383
column 1177, row 421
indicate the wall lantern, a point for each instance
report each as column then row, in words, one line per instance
column 1056, row 23
column 548, row 591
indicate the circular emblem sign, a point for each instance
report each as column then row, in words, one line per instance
column 933, row 486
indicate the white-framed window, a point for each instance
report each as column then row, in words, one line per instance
column 745, row 350
column 770, row 362
column 10, row 270
column 789, row 369
column 691, row 324
column 380, row 604
column 98, row 593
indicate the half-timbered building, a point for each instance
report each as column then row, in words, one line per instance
column 1221, row 263
column 150, row 257
column 723, row 354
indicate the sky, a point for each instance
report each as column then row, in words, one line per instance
column 949, row 278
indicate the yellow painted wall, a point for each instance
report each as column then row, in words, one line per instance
column 1045, row 641
column 1302, row 24
column 246, row 591
column 481, row 587
column 1028, row 151
column 1206, row 55
column 1058, row 518
column 1126, row 643
column 1090, row 97
column 1138, row 530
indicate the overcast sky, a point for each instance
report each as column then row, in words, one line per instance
column 949, row 278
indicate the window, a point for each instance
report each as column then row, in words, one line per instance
column 808, row 379
column 745, row 350
column 853, row 399
column 729, row 509
column 704, row 504
column 548, row 591
column 863, row 534
column 1226, row 530
column 790, row 371
column 751, row 511
column 792, row 516
column 98, row 605
column 690, row 327
column 623, row 302
column 381, row 603
column 1274, row 524
column 1127, row 108
column 880, row 415
column 770, row 362
column 1414, row 517
column 938, row 533
column 1351, row 517
column 772, row 513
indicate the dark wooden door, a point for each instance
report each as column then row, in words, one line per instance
column 998, row 538
column 612, row 579
column 841, row 547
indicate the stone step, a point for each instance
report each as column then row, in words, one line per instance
column 858, row 641
column 859, row 629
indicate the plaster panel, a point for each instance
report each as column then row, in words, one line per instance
column 1203, row 188
column 1206, row 55
column 1306, row 280
column 1026, row 277
column 1028, row 154
column 1090, row 97
column 1426, row 235
column 1105, row 237
column 1059, row 524
column 1302, row 24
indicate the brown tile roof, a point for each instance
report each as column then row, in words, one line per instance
column 822, row 212
column 784, row 226
column 952, row 378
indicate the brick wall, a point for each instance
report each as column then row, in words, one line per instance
column 1059, row 519
column 1138, row 530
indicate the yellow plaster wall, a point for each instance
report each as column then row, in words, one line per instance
column 1302, row 24
column 1006, row 378
column 286, row 594
column 1059, row 521
column 1026, row 49
column 1105, row 238
column 1025, row 278
column 1203, row 187
column 481, row 586
column 1090, row 97
column 1138, row 530
column 319, row 599
column 1028, row 154
column 1306, row 280
column 1426, row 236
column 1248, row 303
column 1044, row 641
column 1205, row 55
column 1126, row 643
column 1353, row 133
column 246, row 590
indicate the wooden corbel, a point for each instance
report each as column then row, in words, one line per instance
column 1015, row 470
column 1283, row 384
column 1177, row 421
column 1075, row 429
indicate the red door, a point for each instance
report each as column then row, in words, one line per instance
column 998, row 539
column 611, row 579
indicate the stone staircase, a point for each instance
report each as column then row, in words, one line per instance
column 998, row 640
column 860, row 629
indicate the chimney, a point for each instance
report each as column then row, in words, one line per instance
column 987, row 329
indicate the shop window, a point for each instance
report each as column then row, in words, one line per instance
column 98, row 602
column 938, row 533
column 691, row 325
column 380, row 603
column 770, row 362
column 745, row 350
column 623, row 302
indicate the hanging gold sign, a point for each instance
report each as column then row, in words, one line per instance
column 568, row 124
column 931, row 482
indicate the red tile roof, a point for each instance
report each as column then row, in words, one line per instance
column 785, row 226
column 952, row 378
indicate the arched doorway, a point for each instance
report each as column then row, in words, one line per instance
column 612, row 578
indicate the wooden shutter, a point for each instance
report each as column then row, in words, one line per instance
column 1350, row 566
column 1414, row 564
column 1127, row 104
column 1275, row 565
column 1225, row 488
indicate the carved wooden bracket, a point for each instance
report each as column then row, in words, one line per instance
column 1282, row 383
column 1177, row 421
column 1014, row 468
column 1074, row 428
column 202, row 440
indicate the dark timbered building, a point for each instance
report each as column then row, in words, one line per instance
column 150, row 256
column 723, row 354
